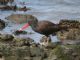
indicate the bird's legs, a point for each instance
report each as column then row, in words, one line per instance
column 47, row 39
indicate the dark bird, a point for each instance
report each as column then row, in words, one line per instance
column 43, row 27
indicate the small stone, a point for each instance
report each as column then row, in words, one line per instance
column 17, row 32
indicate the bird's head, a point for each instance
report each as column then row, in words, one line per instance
column 32, row 21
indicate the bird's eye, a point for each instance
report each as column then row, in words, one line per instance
column 30, row 22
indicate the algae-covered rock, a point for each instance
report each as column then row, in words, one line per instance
column 21, row 52
column 14, row 53
column 69, row 23
column 27, row 49
column 5, row 49
column 22, row 41
column 37, row 53
column 65, row 52
column 6, row 38
column 71, row 34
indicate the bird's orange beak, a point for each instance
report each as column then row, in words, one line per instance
column 24, row 27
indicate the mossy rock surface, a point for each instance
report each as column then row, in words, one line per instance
column 69, row 23
column 27, row 49
column 72, row 36
column 22, row 41
column 65, row 52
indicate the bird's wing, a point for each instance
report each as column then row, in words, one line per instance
column 46, row 26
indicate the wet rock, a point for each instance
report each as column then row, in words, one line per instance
column 22, row 41
column 2, row 24
column 23, row 9
column 4, row 2
column 6, row 37
column 20, row 18
column 72, row 36
column 17, row 32
column 13, row 8
column 65, row 23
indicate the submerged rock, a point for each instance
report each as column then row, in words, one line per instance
column 2, row 24
column 14, row 8
column 19, row 32
column 23, row 9
column 20, row 18
column 8, row 8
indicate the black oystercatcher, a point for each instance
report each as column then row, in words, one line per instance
column 43, row 27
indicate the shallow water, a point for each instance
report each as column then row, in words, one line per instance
column 52, row 10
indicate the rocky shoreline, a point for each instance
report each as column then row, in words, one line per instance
column 15, row 48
